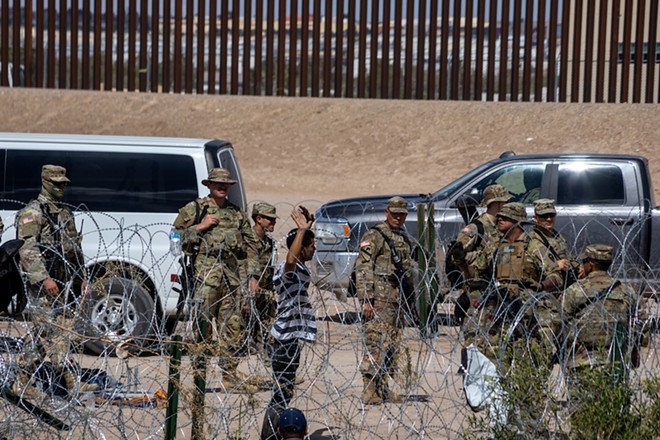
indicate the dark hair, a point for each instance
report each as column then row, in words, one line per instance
column 600, row 264
column 308, row 237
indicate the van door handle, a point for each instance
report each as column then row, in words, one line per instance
column 622, row 221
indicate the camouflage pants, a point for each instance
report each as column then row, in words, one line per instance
column 222, row 311
column 382, row 338
column 261, row 316
column 50, row 335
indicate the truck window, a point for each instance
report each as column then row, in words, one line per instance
column 522, row 180
column 583, row 184
column 106, row 182
column 227, row 160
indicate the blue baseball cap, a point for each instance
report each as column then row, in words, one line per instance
column 292, row 421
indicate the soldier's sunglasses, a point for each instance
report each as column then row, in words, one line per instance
column 547, row 216
column 59, row 184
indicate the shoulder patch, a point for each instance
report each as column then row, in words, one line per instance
column 27, row 219
column 365, row 243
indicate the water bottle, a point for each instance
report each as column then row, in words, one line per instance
column 175, row 243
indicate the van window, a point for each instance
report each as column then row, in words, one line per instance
column 582, row 184
column 104, row 181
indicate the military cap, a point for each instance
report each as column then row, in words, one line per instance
column 513, row 210
column 544, row 206
column 599, row 252
column 495, row 193
column 264, row 209
column 54, row 173
column 219, row 175
column 292, row 421
column 397, row 205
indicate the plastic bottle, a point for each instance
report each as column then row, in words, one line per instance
column 175, row 243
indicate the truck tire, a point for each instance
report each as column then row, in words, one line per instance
column 118, row 311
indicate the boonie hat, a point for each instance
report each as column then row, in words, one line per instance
column 54, row 173
column 264, row 209
column 219, row 175
column 397, row 205
column 600, row 252
column 292, row 421
column 514, row 210
column 544, row 206
column 495, row 193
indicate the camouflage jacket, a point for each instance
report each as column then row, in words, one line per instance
column 523, row 262
column 266, row 261
column 473, row 243
column 227, row 251
column 558, row 244
column 374, row 269
column 589, row 322
column 52, row 247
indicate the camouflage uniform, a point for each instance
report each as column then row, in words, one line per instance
column 265, row 300
column 520, row 267
column 590, row 320
column 557, row 243
column 226, row 257
column 377, row 284
column 601, row 332
column 475, row 244
column 51, row 249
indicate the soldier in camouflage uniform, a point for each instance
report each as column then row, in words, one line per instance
column 264, row 216
column 556, row 249
column 602, row 327
column 383, row 306
column 220, row 233
column 475, row 239
column 50, row 257
column 593, row 307
column 545, row 217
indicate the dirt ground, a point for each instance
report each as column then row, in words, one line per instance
column 294, row 150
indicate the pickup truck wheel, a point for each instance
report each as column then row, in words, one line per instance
column 118, row 311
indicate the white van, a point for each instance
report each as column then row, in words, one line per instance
column 125, row 193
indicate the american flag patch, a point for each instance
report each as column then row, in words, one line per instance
column 364, row 243
column 28, row 219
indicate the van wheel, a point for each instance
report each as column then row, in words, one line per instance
column 118, row 311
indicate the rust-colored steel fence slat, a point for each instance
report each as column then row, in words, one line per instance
column 495, row 50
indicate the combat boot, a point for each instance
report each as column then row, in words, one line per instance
column 235, row 382
column 23, row 386
column 370, row 392
column 388, row 395
column 83, row 387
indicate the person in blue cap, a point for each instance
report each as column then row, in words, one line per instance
column 292, row 424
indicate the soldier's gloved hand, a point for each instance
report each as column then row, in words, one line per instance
column 458, row 253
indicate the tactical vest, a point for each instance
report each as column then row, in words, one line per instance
column 510, row 263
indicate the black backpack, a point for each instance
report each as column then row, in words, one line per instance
column 12, row 289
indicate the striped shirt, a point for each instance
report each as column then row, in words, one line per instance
column 295, row 316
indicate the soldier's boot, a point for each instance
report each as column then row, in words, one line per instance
column 370, row 394
column 235, row 382
column 82, row 387
column 388, row 394
column 23, row 386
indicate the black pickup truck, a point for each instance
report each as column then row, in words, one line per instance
column 600, row 199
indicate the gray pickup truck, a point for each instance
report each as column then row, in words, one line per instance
column 600, row 199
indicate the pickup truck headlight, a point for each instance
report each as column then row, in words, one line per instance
column 332, row 232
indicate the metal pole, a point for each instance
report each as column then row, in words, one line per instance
column 199, row 366
column 432, row 264
column 421, row 254
column 173, row 388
